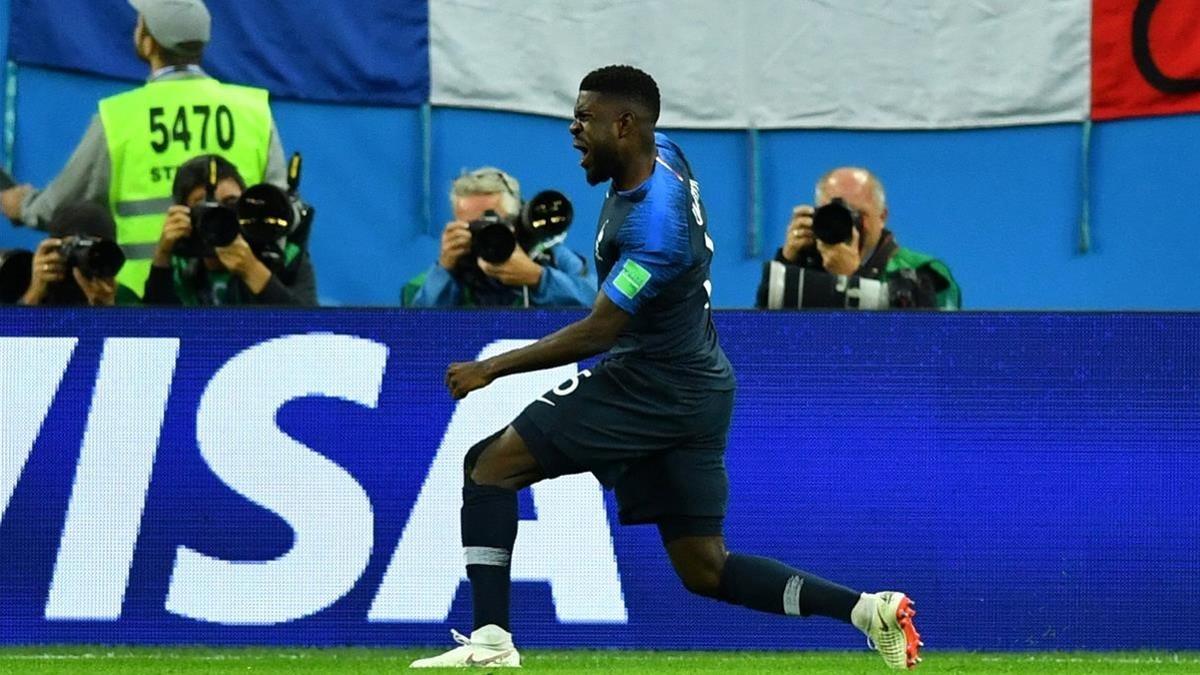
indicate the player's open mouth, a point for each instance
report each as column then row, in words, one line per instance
column 583, row 151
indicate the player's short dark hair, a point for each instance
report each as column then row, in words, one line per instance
column 194, row 173
column 627, row 82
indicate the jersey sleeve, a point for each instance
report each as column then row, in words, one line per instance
column 654, row 251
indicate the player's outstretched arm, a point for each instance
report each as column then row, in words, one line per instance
column 595, row 333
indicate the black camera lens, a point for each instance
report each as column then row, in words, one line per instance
column 492, row 238
column 216, row 224
column 541, row 222
column 213, row 224
column 548, row 214
column 835, row 222
column 103, row 259
column 265, row 213
column 95, row 257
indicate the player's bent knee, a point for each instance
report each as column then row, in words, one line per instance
column 502, row 460
column 487, row 473
column 704, row 582
column 699, row 563
column 481, row 476
column 471, row 461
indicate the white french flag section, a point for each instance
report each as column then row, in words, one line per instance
column 767, row 64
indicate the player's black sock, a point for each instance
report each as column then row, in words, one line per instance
column 489, row 528
column 770, row 586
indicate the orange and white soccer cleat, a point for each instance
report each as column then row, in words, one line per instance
column 893, row 633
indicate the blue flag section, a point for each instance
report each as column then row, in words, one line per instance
column 373, row 52
column 236, row 477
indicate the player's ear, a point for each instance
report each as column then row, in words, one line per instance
column 626, row 123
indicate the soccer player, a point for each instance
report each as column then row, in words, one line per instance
column 650, row 421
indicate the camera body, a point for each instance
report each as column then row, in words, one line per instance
column 265, row 215
column 493, row 237
column 95, row 257
column 545, row 217
column 214, row 225
column 835, row 222
column 541, row 223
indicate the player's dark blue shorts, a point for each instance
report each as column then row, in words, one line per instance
column 661, row 449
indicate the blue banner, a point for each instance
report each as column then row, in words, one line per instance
column 259, row 477
column 367, row 52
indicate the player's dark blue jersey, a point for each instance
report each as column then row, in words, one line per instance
column 653, row 252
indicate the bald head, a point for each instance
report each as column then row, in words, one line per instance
column 862, row 191
column 851, row 180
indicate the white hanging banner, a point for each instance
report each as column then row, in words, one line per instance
column 866, row 64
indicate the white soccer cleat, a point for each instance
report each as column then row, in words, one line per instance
column 488, row 647
column 892, row 632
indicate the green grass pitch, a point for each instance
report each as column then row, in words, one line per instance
column 184, row 661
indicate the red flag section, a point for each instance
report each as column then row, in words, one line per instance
column 1145, row 58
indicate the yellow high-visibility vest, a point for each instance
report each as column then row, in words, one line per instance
column 154, row 129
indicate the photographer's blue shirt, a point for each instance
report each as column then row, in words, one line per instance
column 566, row 281
column 653, row 252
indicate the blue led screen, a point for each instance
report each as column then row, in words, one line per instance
column 261, row 477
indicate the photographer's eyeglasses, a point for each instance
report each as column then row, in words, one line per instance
column 496, row 174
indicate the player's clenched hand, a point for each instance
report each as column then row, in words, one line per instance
column 464, row 378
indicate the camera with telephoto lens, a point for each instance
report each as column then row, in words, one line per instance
column 214, row 224
column 542, row 221
column 96, row 257
column 835, row 222
column 794, row 287
column 266, row 216
column 271, row 218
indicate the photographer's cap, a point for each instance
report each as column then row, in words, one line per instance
column 175, row 22
column 83, row 219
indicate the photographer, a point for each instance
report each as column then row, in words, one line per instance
column 185, row 271
column 78, row 264
column 128, row 153
column 547, row 275
column 841, row 255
